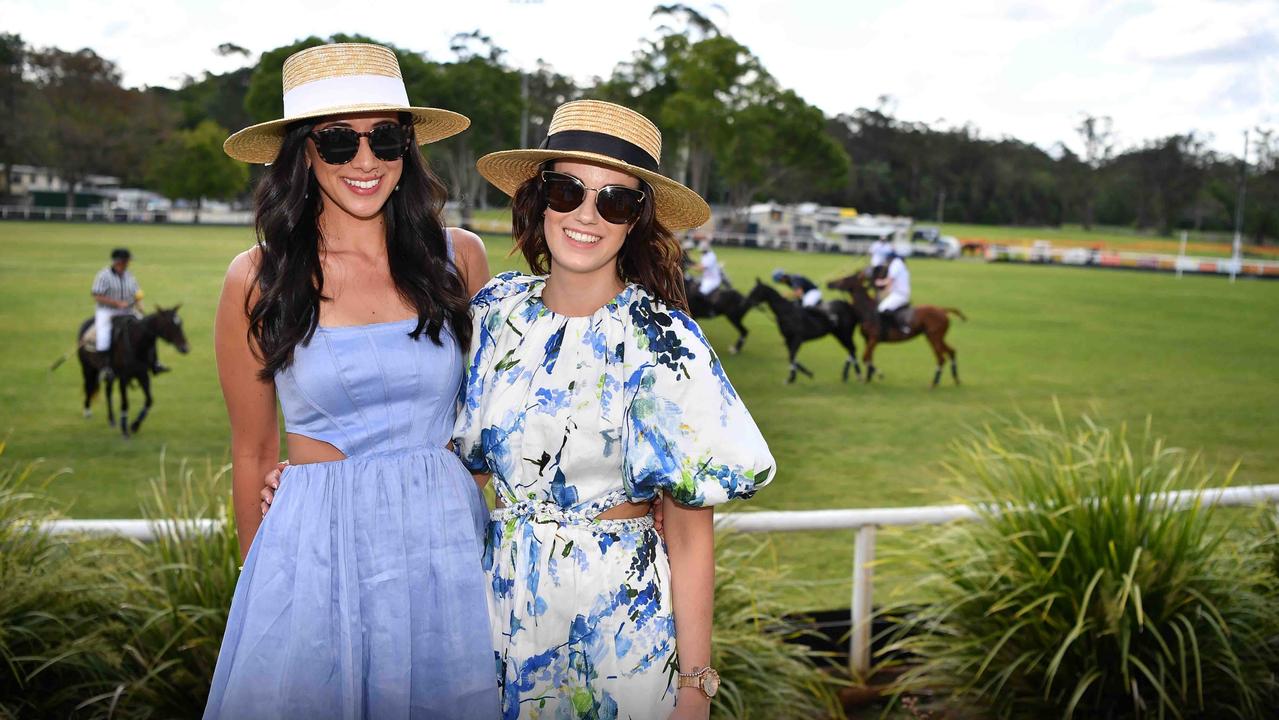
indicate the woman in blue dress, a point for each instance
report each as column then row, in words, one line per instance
column 362, row 593
column 591, row 395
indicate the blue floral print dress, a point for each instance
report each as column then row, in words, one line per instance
column 572, row 416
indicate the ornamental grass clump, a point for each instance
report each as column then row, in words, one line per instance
column 765, row 677
column 179, row 594
column 1081, row 593
column 57, row 608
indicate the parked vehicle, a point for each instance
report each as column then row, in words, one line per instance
column 927, row 241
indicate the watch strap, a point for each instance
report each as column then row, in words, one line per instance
column 695, row 679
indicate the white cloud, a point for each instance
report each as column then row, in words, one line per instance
column 1011, row 67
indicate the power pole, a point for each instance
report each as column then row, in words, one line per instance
column 523, row 109
column 1237, row 253
column 941, row 208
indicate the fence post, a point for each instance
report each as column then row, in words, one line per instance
column 859, row 640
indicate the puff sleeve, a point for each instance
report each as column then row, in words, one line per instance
column 686, row 431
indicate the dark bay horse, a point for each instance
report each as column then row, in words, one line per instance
column 930, row 321
column 798, row 325
column 725, row 302
column 130, row 359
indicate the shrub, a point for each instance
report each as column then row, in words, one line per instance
column 764, row 676
column 57, row 610
column 179, row 595
column 92, row 627
column 1079, row 593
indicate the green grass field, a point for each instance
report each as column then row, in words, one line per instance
column 1197, row 355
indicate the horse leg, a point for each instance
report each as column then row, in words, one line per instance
column 742, row 332
column 124, row 406
column 954, row 364
column 110, row 401
column 91, row 381
column 793, row 347
column 851, row 358
column 852, row 355
column 939, row 352
column 798, row 343
column 868, row 357
column 145, row 382
column 857, row 367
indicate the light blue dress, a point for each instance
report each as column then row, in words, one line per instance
column 363, row 594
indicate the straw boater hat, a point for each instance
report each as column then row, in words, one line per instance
column 335, row 79
column 606, row 134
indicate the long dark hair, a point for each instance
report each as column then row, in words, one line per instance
column 650, row 256
column 290, row 279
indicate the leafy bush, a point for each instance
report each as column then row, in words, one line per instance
column 179, row 595
column 763, row 676
column 57, row 611
column 92, row 627
column 96, row 627
column 1080, row 593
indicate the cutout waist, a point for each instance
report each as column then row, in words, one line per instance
column 303, row 450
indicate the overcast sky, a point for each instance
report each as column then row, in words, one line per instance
column 1022, row 69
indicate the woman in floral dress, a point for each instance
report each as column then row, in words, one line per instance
column 590, row 396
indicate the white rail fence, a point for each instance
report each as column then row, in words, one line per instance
column 865, row 521
column 175, row 216
column 1043, row 251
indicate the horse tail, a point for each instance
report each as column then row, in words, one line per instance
column 955, row 311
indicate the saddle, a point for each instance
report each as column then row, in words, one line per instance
column 89, row 340
column 823, row 312
column 903, row 318
column 905, row 315
column 119, row 336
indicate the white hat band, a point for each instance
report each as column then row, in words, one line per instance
column 346, row 90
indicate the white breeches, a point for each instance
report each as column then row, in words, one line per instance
column 708, row 286
column 812, row 298
column 893, row 301
column 102, row 327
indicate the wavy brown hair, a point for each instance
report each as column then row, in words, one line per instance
column 650, row 255
column 290, row 280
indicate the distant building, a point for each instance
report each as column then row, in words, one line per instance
column 810, row 226
column 42, row 187
column 797, row 227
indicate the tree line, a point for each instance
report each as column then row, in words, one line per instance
column 731, row 132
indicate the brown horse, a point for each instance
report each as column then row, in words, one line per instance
column 930, row 321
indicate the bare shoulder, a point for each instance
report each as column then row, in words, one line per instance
column 242, row 270
column 244, row 264
column 466, row 244
column 470, row 258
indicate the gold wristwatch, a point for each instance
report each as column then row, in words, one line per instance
column 704, row 679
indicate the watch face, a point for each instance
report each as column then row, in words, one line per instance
column 710, row 683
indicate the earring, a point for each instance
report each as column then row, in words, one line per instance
column 397, row 188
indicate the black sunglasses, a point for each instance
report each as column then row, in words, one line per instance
column 339, row 145
column 617, row 204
